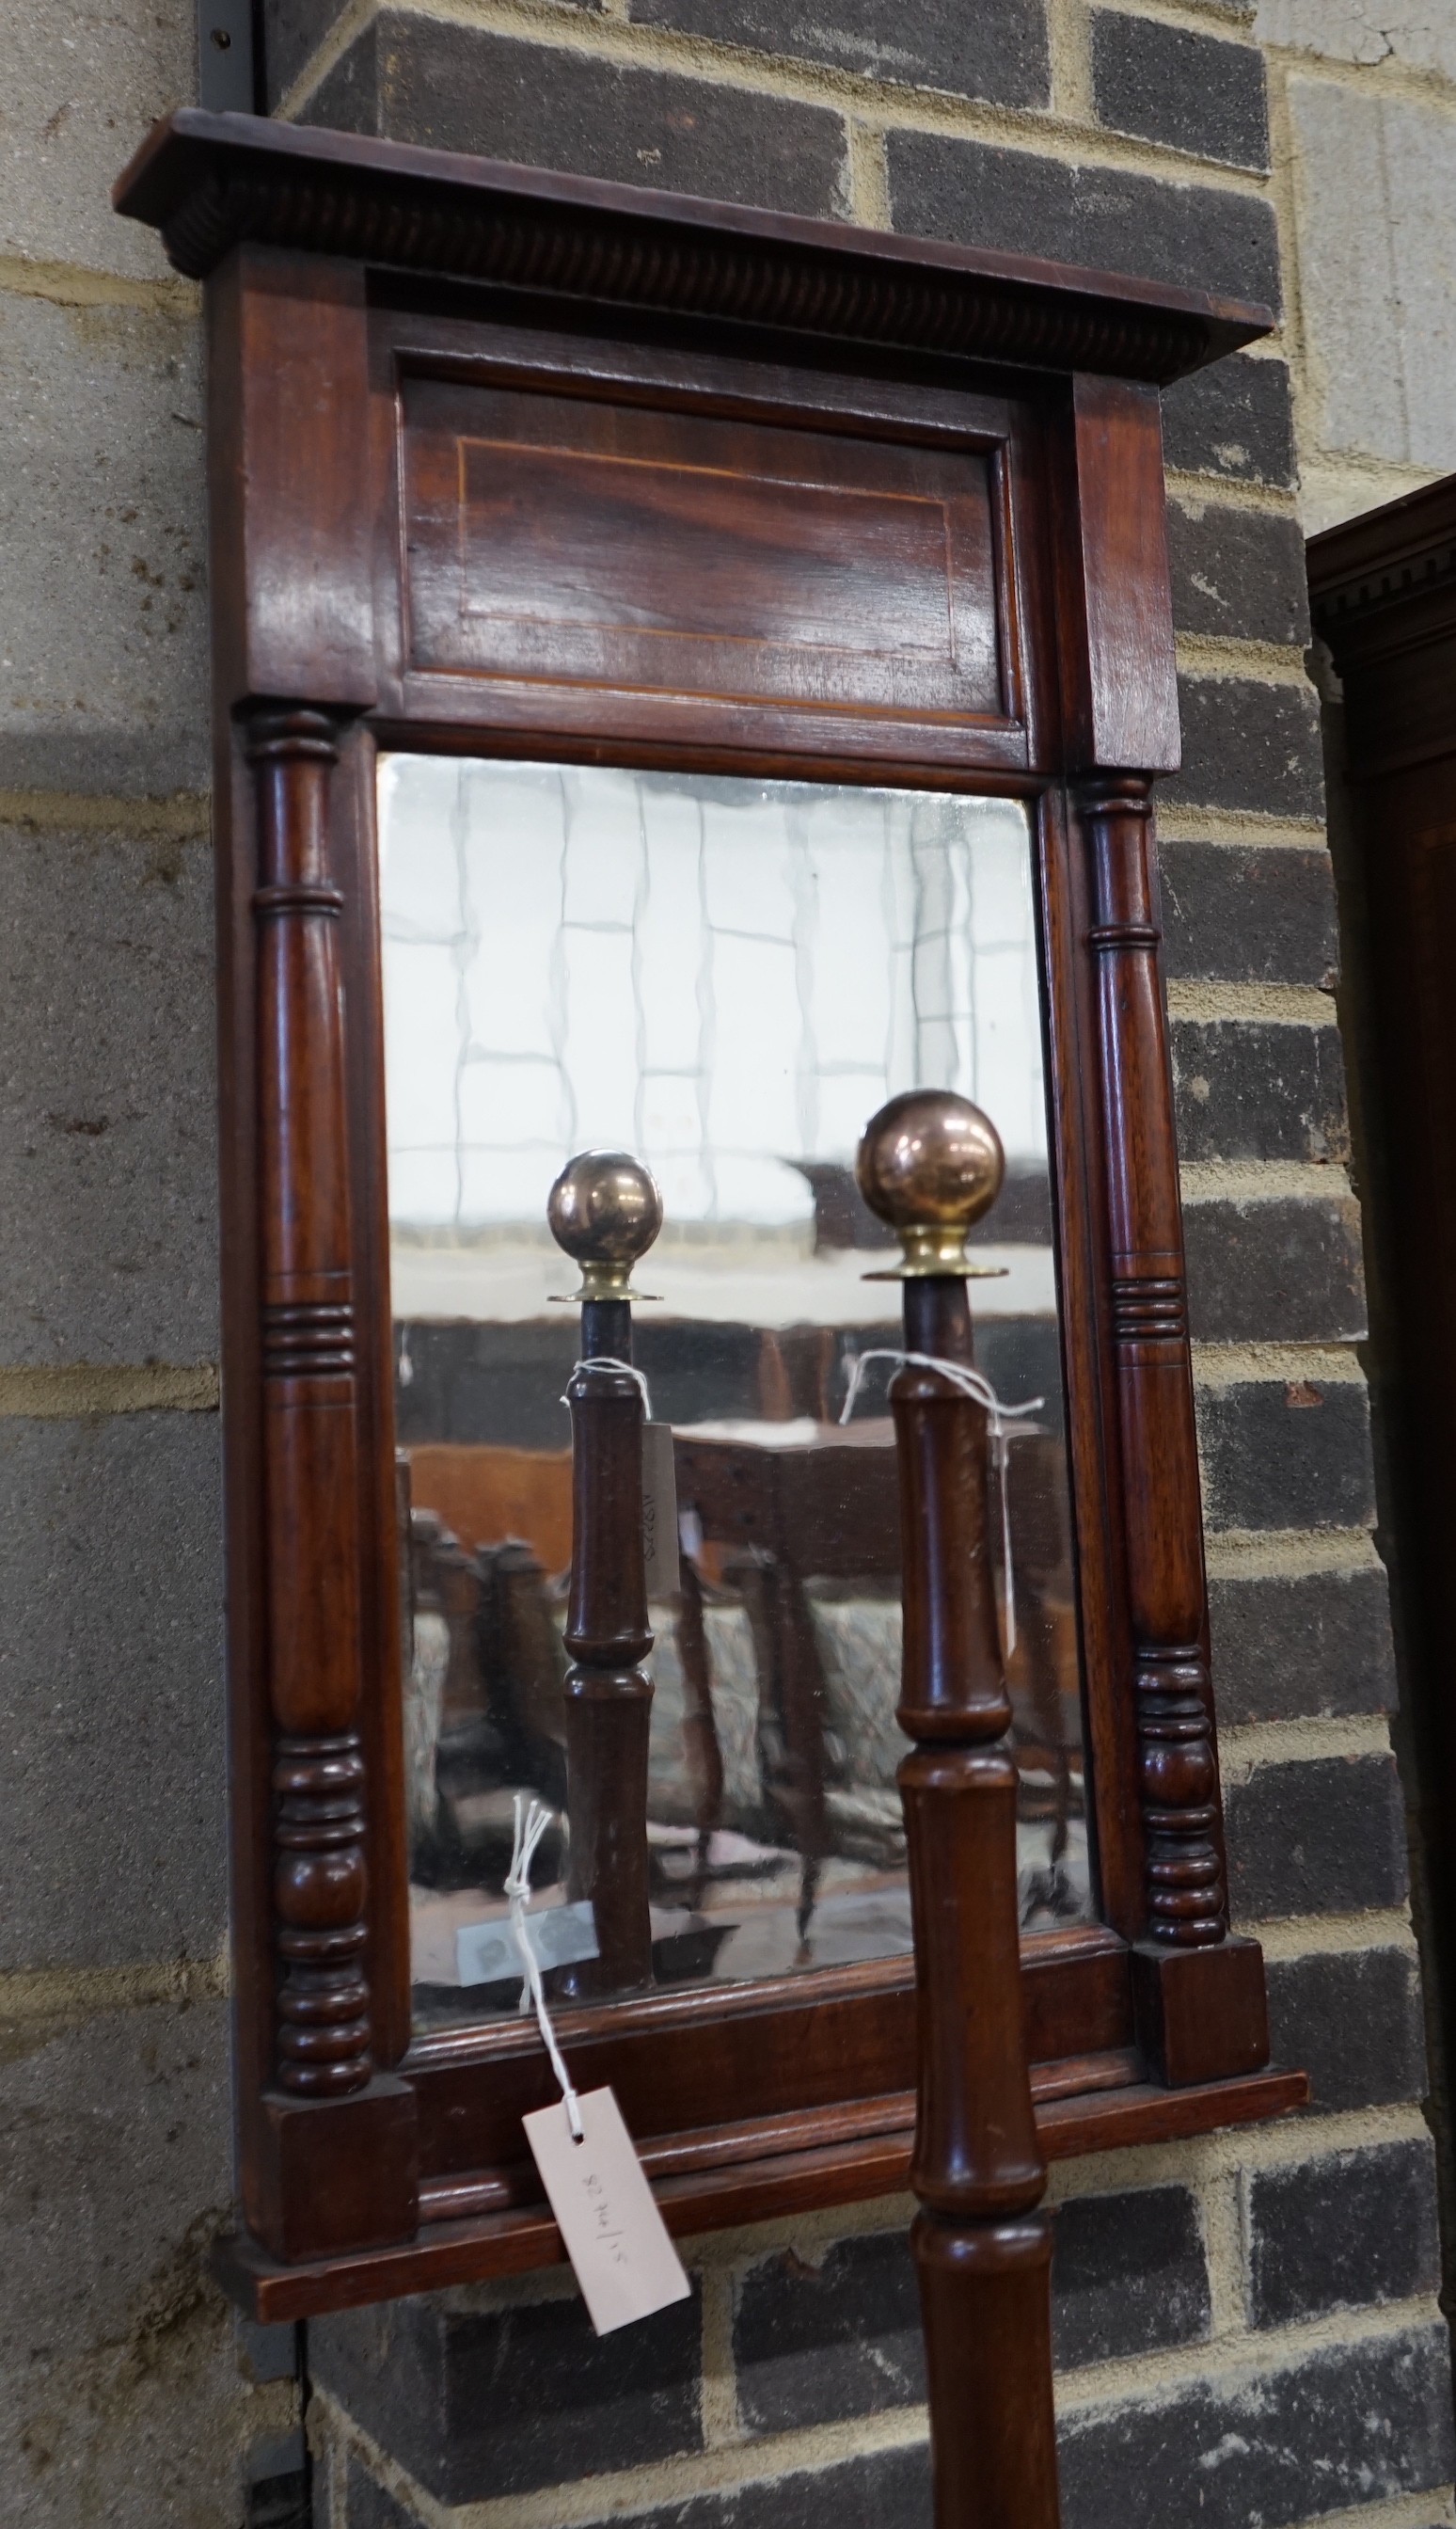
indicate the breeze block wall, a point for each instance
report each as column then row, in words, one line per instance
column 1247, row 2328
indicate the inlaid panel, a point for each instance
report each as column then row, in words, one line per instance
column 675, row 551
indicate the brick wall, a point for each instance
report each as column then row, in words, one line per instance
column 1246, row 2327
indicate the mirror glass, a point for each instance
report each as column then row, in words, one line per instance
column 727, row 977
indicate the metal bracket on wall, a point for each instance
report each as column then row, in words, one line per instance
column 229, row 57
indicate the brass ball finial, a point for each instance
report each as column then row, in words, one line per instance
column 930, row 1163
column 605, row 1208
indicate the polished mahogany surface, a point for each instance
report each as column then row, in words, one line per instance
column 514, row 467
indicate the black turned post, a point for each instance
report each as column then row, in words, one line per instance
column 930, row 1163
column 605, row 1212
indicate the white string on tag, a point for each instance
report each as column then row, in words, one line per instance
column 531, row 1826
column 606, row 1360
column 1004, row 1423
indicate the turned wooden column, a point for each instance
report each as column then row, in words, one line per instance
column 1183, row 1858
column 311, row 1442
column 605, row 1212
column 930, row 1163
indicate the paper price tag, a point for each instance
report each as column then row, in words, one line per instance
column 659, row 1511
column 614, row 2235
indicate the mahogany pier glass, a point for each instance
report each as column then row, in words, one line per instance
column 511, row 464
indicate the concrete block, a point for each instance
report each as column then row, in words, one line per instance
column 1327, row 1837
column 1295, row 1647
column 120, row 2399
column 1106, row 216
column 83, row 84
column 1286, row 1453
column 103, row 672
column 1188, row 90
column 459, row 87
column 1001, row 54
column 1378, row 294
column 108, row 1221
column 1419, row 35
column 112, row 1835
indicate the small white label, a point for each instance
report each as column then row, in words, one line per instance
column 659, row 1511
column 614, row 2235
column 487, row 1952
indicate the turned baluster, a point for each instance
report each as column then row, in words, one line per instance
column 605, row 1212
column 310, row 1439
column 930, row 1163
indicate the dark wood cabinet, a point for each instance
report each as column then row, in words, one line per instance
column 1383, row 593
column 518, row 465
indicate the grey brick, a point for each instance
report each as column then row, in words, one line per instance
column 103, row 680
column 1282, row 1271
column 1323, row 1838
column 1128, row 2274
column 886, row 2490
column 1190, row 91
column 1260, row 916
column 1286, row 1454
column 478, row 2401
column 459, row 87
column 1355, row 2423
column 1252, row 747
column 1352, row 2423
column 1232, row 421
column 1342, row 2232
column 108, row 1222
column 1236, row 575
column 112, row 1841
column 1306, row 1646
column 368, row 2506
column 1352, row 2020
column 1252, row 1089
column 83, row 84
column 1001, row 54
column 120, row 2400
column 1103, row 216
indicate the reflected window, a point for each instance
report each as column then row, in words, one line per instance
column 727, row 977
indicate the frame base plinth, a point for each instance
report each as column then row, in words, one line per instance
column 1201, row 2014
column 322, row 2193
column 445, row 2252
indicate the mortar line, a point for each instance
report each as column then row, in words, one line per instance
column 1265, row 662
column 1331, row 1936
column 1232, row 1364
column 1257, row 2350
column 1264, row 1181
column 1244, row 1745
column 68, row 1390
column 1432, row 2510
column 1234, row 1553
column 79, row 284
column 868, row 173
column 1220, row 2199
column 1069, row 49
column 183, row 817
column 1240, row 827
column 1195, row 493
column 1279, row 1004
column 45, row 1993
column 721, row 2424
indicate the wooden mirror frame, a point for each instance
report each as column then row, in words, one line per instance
column 354, row 289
